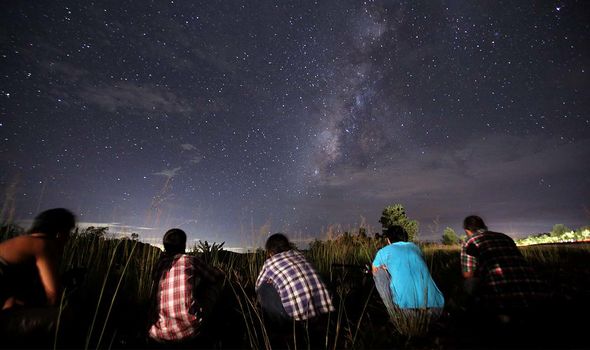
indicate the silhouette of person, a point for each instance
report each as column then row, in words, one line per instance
column 30, row 285
column 186, row 291
column 502, row 287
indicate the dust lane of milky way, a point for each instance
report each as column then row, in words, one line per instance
column 233, row 120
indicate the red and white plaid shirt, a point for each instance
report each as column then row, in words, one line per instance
column 179, row 314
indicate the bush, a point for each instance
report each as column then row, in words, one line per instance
column 559, row 229
column 449, row 237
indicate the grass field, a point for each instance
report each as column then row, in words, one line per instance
column 111, row 301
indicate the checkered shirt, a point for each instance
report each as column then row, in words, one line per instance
column 302, row 293
column 179, row 313
column 506, row 279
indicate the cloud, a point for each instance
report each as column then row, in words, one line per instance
column 169, row 173
column 123, row 95
column 66, row 70
column 194, row 154
column 196, row 159
column 513, row 180
column 130, row 96
column 116, row 226
column 474, row 163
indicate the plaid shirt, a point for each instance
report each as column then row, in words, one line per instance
column 506, row 279
column 302, row 293
column 179, row 313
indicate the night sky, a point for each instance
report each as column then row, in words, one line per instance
column 235, row 119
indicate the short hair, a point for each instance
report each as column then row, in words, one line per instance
column 174, row 241
column 277, row 243
column 53, row 221
column 474, row 223
column 396, row 233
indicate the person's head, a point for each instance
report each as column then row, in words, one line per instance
column 396, row 233
column 277, row 243
column 474, row 223
column 55, row 223
column 174, row 241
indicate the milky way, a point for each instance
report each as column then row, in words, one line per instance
column 236, row 119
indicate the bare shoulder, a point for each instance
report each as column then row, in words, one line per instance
column 23, row 248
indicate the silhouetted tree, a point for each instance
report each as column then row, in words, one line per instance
column 396, row 215
column 559, row 229
column 449, row 237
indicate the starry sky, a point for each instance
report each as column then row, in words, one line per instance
column 237, row 119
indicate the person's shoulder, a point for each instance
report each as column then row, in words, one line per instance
column 474, row 239
column 193, row 259
column 389, row 249
column 289, row 257
column 178, row 259
column 38, row 243
column 407, row 248
column 29, row 246
column 383, row 250
column 401, row 245
column 288, row 254
column 297, row 253
column 380, row 250
column 414, row 247
column 272, row 262
column 186, row 262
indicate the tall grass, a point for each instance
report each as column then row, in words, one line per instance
column 118, row 280
column 258, row 337
column 116, row 292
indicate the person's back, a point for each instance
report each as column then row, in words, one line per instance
column 506, row 280
column 300, row 288
column 21, row 278
column 178, row 314
column 292, row 296
column 30, row 262
column 411, row 284
column 186, row 291
column 506, row 299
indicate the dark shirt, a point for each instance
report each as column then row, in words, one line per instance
column 506, row 280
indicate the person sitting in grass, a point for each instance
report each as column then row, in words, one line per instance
column 402, row 277
column 290, row 290
column 186, row 291
column 30, row 285
column 501, row 284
